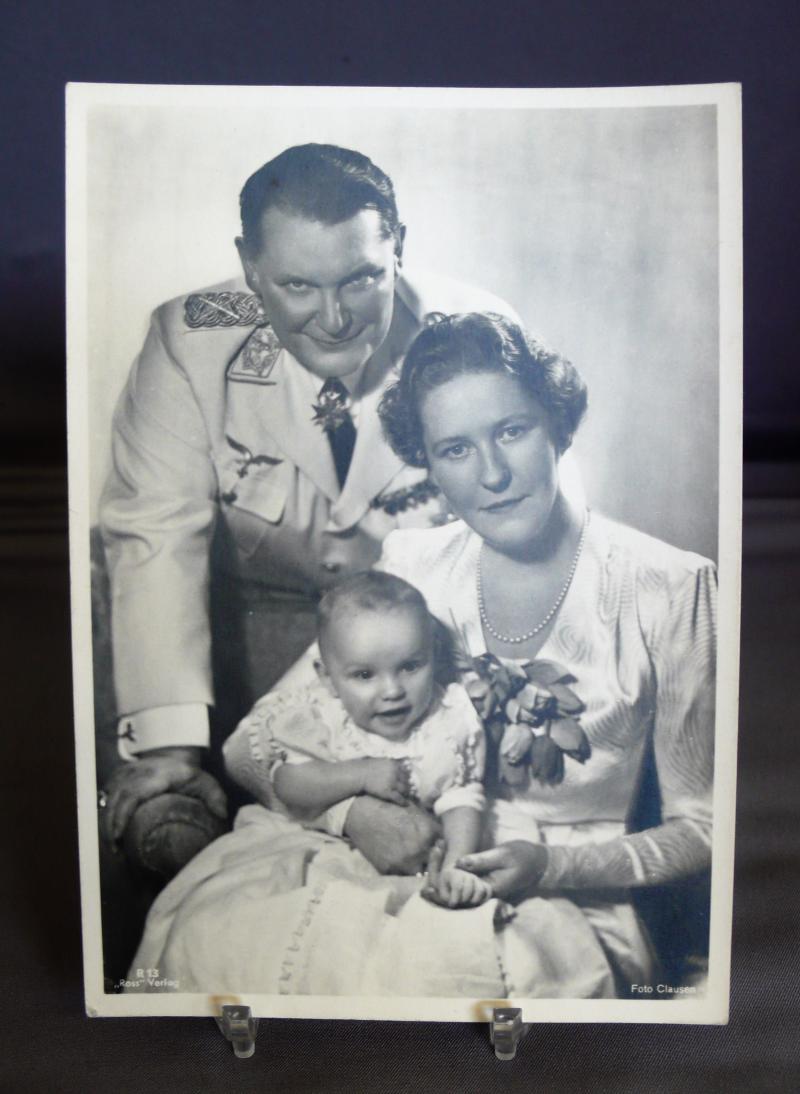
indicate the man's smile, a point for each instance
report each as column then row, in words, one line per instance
column 334, row 343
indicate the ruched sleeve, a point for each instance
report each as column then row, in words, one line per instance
column 463, row 784
column 678, row 620
column 283, row 727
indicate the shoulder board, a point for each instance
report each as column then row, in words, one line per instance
column 222, row 309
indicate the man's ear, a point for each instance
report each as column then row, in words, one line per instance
column 324, row 676
column 399, row 242
column 248, row 266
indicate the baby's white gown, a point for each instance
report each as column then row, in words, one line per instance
column 280, row 909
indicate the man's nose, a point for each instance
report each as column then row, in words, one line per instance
column 495, row 473
column 332, row 318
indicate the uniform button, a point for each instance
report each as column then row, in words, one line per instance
column 331, row 567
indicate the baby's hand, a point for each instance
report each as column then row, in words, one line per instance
column 456, row 888
column 387, row 779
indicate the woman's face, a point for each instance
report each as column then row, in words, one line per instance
column 490, row 450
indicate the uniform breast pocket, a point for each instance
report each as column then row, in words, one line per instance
column 254, row 500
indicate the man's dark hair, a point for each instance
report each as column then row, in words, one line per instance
column 321, row 182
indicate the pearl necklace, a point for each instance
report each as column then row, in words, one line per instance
column 516, row 639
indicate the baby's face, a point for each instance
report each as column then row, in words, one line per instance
column 381, row 668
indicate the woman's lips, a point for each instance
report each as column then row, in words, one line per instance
column 502, row 506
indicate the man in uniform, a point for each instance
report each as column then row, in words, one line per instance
column 249, row 469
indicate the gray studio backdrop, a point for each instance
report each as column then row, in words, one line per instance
column 600, row 226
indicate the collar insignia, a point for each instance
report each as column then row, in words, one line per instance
column 256, row 359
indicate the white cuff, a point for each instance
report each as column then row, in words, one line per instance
column 455, row 797
column 182, row 725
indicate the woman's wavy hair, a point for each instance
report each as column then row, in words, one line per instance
column 454, row 345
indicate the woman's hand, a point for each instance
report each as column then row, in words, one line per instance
column 386, row 779
column 511, row 869
column 156, row 773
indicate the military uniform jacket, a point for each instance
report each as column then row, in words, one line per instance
column 215, row 425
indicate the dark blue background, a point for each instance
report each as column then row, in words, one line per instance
column 49, row 1045
column 547, row 43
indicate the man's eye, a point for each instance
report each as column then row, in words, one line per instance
column 295, row 286
column 365, row 281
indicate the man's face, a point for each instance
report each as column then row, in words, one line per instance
column 327, row 289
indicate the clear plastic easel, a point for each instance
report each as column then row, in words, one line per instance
column 237, row 1025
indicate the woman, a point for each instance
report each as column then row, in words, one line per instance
column 525, row 575
column 618, row 625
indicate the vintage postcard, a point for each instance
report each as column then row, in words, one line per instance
column 405, row 477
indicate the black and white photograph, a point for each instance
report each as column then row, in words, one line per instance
column 405, row 534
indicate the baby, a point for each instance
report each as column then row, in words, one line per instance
column 374, row 722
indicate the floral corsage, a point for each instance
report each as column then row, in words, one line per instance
column 531, row 717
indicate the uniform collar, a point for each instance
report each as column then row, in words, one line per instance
column 283, row 405
column 374, row 464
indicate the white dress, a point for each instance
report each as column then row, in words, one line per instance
column 637, row 630
column 265, row 907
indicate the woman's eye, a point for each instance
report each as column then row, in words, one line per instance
column 511, row 432
column 455, row 452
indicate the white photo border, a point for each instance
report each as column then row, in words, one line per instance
column 712, row 1007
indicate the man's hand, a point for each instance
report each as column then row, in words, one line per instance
column 157, row 772
column 386, row 779
column 511, row 869
column 396, row 839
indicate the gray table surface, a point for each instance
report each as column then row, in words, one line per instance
column 50, row 1046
